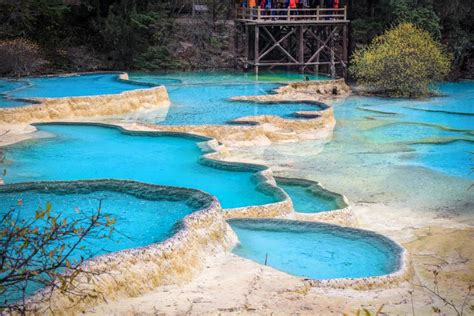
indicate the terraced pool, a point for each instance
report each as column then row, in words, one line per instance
column 63, row 86
column 75, row 86
column 197, row 98
column 308, row 197
column 376, row 153
column 8, row 86
column 145, row 214
column 203, row 98
column 211, row 104
column 220, row 77
column 315, row 250
column 79, row 152
column 439, row 132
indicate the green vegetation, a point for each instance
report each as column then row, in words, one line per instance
column 84, row 35
column 81, row 35
column 403, row 62
column 449, row 21
column 39, row 253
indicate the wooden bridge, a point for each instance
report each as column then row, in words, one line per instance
column 312, row 40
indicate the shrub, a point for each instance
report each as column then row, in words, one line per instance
column 402, row 62
column 19, row 57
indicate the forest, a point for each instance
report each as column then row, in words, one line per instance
column 150, row 35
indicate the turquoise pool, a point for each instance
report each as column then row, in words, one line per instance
column 197, row 98
column 309, row 198
column 7, row 86
column 201, row 98
column 402, row 158
column 315, row 250
column 220, row 77
column 403, row 153
column 412, row 132
column 438, row 132
column 74, row 86
column 91, row 152
column 210, row 104
column 145, row 214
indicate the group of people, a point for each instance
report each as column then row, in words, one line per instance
column 292, row 4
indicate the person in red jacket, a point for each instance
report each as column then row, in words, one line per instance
column 335, row 5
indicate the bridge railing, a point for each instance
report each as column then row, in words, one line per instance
column 314, row 14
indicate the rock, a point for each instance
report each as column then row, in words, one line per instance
column 184, row 46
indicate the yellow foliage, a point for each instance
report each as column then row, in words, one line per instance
column 403, row 62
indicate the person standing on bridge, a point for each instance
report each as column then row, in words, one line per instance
column 335, row 5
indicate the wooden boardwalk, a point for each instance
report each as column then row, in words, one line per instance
column 312, row 40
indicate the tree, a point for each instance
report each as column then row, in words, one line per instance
column 20, row 57
column 403, row 62
column 423, row 17
column 46, row 251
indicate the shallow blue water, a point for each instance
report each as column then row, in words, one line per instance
column 406, row 132
column 7, row 86
column 197, row 98
column 220, row 77
column 412, row 123
column 454, row 158
column 462, row 103
column 76, row 85
column 210, row 104
column 454, row 110
column 314, row 250
column 365, row 140
column 91, row 152
column 307, row 200
column 140, row 220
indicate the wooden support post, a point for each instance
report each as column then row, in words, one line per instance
column 301, row 47
column 318, row 43
column 256, row 48
column 246, row 48
column 345, row 49
column 344, row 44
column 318, row 50
column 332, row 61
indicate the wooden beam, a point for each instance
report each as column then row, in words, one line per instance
column 332, row 65
column 323, row 44
column 246, row 48
column 344, row 44
column 256, row 48
column 271, row 63
column 301, row 46
column 277, row 43
column 320, row 45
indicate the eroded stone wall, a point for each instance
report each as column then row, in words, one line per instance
column 132, row 272
column 55, row 109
